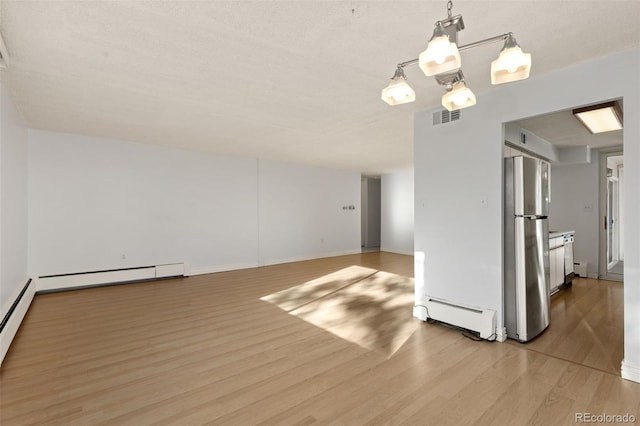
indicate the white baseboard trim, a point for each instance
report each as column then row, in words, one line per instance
column 388, row 250
column 420, row 312
column 15, row 318
column 276, row 261
column 630, row 372
column 501, row 334
column 265, row 262
column 222, row 268
column 63, row 282
column 87, row 279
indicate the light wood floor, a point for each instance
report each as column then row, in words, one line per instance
column 586, row 325
column 206, row 349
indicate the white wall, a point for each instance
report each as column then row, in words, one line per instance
column 397, row 212
column 527, row 141
column 302, row 215
column 92, row 200
column 13, row 202
column 575, row 155
column 455, row 230
column 575, row 205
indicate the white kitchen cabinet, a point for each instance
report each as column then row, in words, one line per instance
column 552, row 271
column 560, row 266
column 556, row 263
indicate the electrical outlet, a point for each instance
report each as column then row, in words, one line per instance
column 123, row 256
column 484, row 201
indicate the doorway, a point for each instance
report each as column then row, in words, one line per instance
column 371, row 213
column 611, row 207
column 582, row 194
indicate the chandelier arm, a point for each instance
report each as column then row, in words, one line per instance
column 410, row 62
column 464, row 47
column 485, row 41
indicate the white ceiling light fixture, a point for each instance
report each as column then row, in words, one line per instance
column 441, row 54
column 460, row 96
column 600, row 118
column 398, row 91
column 442, row 60
column 512, row 64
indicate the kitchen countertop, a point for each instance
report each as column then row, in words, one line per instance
column 554, row 234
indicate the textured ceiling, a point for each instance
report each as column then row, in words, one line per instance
column 564, row 130
column 294, row 81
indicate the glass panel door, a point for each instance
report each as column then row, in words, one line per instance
column 613, row 265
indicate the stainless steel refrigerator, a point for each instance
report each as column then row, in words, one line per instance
column 526, row 247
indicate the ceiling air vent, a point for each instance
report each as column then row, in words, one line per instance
column 445, row 116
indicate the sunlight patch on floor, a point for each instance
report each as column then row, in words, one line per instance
column 370, row 308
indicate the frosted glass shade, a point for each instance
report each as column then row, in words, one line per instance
column 440, row 56
column 512, row 65
column 459, row 97
column 398, row 92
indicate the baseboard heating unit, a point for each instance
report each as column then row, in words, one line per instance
column 48, row 283
column 482, row 321
column 14, row 315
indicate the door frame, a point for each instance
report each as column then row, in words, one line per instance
column 603, row 270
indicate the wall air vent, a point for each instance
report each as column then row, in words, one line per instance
column 445, row 116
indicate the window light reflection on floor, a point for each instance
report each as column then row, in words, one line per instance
column 370, row 308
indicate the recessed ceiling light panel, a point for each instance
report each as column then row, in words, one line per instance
column 600, row 118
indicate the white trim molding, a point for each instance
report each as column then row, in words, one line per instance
column 84, row 279
column 405, row 252
column 630, row 372
column 277, row 261
column 15, row 318
column 222, row 268
column 420, row 312
column 501, row 334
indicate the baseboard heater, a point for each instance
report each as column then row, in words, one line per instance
column 50, row 283
column 482, row 321
column 13, row 317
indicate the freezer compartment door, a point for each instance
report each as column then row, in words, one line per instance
column 532, row 277
column 531, row 187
